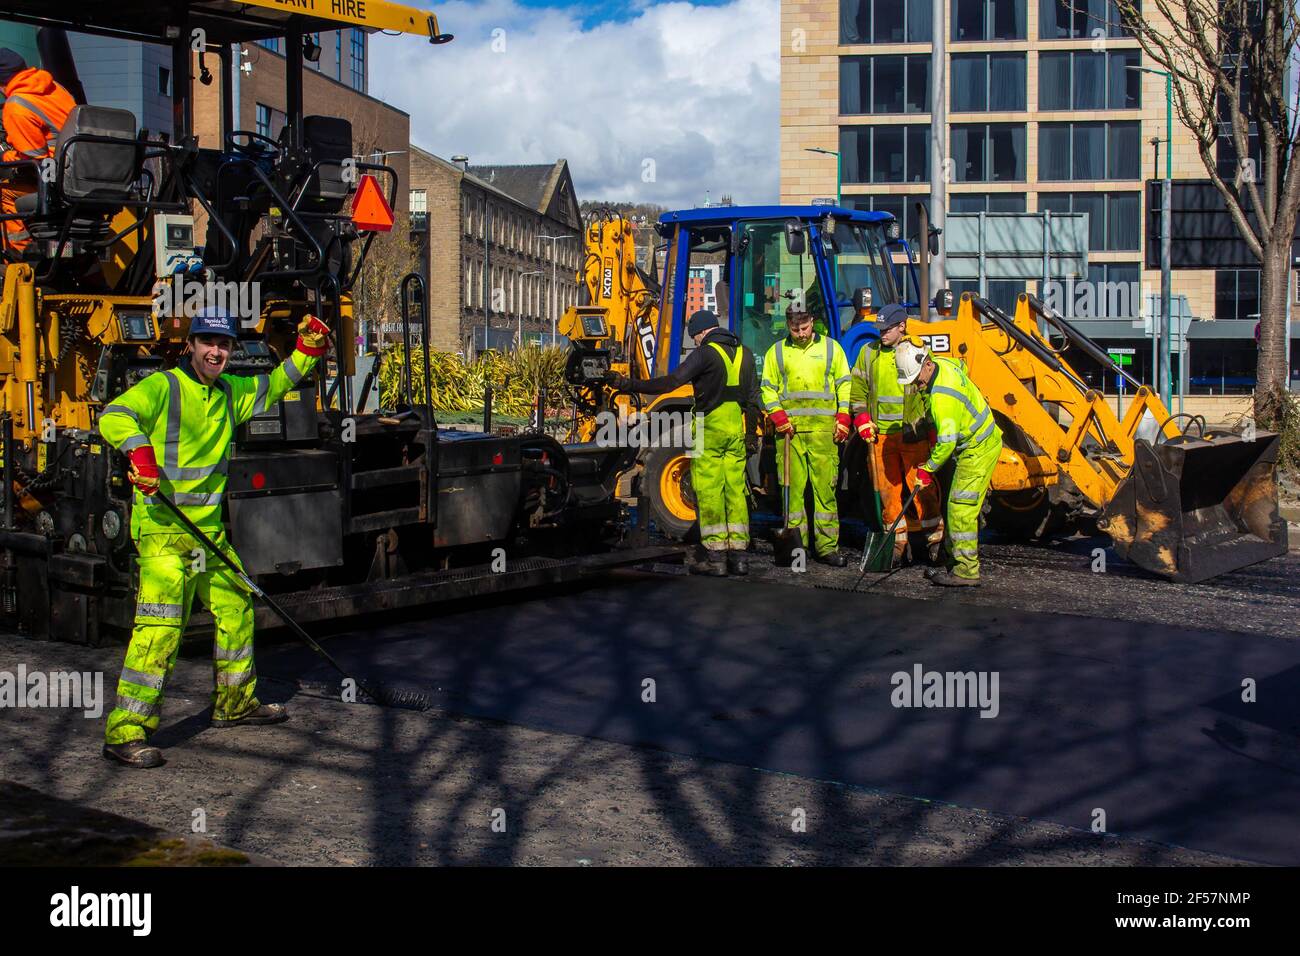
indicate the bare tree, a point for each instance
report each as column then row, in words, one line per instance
column 1229, row 61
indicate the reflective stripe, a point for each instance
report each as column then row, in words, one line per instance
column 291, row 368
column 171, row 612
column 708, row 529
column 235, row 678
column 825, row 516
column 780, row 363
column 35, row 153
column 944, row 439
column 966, row 495
column 929, row 523
column 263, row 387
column 194, row 474
column 198, row 499
column 220, row 653
column 890, row 401
column 715, row 546
column 859, row 373
column 988, row 430
column 172, row 441
column 890, row 417
column 811, row 411
column 769, row 406
column 138, row 706
column 738, row 529
column 952, row 392
column 841, row 380
column 121, row 410
column 132, row 442
column 144, row 680
column 18, row 233
column 964, row 536
column 52, row 127
column 819, row 395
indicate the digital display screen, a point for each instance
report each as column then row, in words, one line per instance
column 593, row 326
column 179, row 235
column 254, row 348
column 136, row 326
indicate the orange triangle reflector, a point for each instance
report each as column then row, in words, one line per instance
column 370, row 210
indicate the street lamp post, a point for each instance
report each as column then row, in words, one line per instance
column 839, row 187
column 554, row 303
column 1166, row 278
column 519, row 312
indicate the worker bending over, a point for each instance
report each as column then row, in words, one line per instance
column 892, row 421
column 186, row 417
column 806, row 394
column 721, row 374
column 35, row 109
column 966, row 430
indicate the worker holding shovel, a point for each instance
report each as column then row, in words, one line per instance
column 186, row 418
column 806, row 394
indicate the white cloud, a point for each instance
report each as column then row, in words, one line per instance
column 695, row 89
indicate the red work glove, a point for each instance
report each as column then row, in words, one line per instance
column 312, row 335
column 924, row 478
column 866, row 427
column 781, row 422
column 841, row 426
column 143, row 470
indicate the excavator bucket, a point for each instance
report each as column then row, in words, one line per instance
column 1194, row 508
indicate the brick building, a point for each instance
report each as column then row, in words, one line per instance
column 489, row 291
column 1045, row 112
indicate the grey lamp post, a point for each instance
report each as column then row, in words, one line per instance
column 554, row 303
column 519, row 311
column 839, row 188
column 1166, row 279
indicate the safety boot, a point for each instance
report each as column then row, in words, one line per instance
column 135, row 754
column 834, row 559
column 947, row 579
column 713, row 565
column 261, row 714
column 737, row 563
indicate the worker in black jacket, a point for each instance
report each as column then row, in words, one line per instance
column 721, row 374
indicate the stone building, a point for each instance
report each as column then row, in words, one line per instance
column 500, row 246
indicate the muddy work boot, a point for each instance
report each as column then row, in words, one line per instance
column 259, row 715
column 714, row 564
column 135, row 754
column 833, row 559
column 946, row 579
column 737, row 563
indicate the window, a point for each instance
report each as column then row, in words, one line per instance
column 987, row 153
column 986, row 202
column 885, row 154
column 1114, row 219
column 272, row 44
column 164, row 81
column 884, row 84
column 1112, row 291
column 358, row 59
column 1089, row 81
column 1001, row 292
column 338, row 55
column 885, row 21
column 263, row 119
column 1236, row 294
column 988, row 19
column 901, row 207
column 983, row 82
column 1088, row 151
column 1075, row 19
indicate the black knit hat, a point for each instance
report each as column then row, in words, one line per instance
column 701, row 321
column 10, row 63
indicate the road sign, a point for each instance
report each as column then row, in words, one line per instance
column 1122, row 357
column 822, row 202
column 370, row 210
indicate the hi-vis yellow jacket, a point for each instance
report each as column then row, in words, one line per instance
column 191, row 426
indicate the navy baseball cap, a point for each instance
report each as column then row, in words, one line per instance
column 701, row 321
column 214, row 321
column 11, row 63
column 891, row 315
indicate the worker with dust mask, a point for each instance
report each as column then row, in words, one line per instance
column 967, row 433
column 892, row 421
column 186, row 416
column 806, row 395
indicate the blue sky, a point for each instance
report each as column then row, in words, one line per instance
column 660, row 102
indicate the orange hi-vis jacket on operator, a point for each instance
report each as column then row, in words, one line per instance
column 35, row 109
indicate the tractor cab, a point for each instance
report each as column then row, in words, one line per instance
column 750, row 264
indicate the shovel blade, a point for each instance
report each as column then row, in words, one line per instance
column 1192, row 510
column 785, row 543
column 878, row 551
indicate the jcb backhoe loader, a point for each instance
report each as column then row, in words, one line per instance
column 1184, row 506
column 334, row 510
